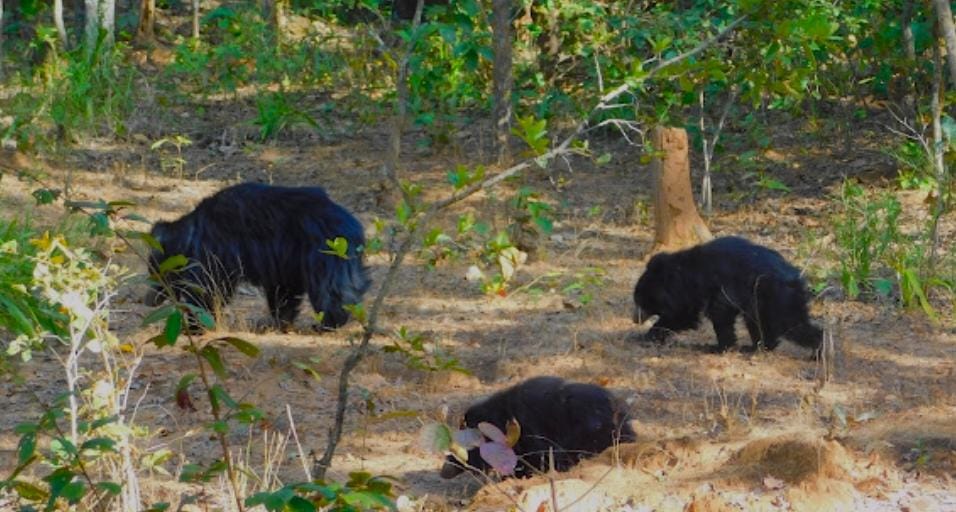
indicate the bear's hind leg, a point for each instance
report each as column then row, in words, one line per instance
column 723, row 315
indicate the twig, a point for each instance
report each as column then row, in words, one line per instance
column 298, row 446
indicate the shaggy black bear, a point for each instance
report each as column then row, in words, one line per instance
column 572, row 421
column 274, row 238
column 724, row 278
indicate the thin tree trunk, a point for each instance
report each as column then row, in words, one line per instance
column 909, row 47
column 108, row 21
column 58, row 21
column 939, row 163
column 503, row 76
column 948, row 31
column 279, row 9
column 146, row 30
column 678, row 225
column 196, row 19
column 1, row 40
column 92, row 24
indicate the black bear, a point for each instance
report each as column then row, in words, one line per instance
column 724, row 278
column 272, row 237
column 572, row 421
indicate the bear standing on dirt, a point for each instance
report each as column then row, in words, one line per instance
column 273, row 237
column 572, row 421
column 724, row 278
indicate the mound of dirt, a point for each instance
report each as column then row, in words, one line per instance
column 794, row 460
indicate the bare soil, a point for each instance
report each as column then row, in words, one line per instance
column 735, row 431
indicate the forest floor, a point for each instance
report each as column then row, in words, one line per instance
column 735, row 431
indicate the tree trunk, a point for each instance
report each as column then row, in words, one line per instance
column 678, row 225
column 58, row 21
column 279, row 9
column 1, row 40
column 503, row 77
column 108, row 21
column 948, row 31
column 146, row 30
column 196, row 19
column 92, row 24
column 909, row 47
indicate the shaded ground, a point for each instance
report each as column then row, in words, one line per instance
column 718, row 432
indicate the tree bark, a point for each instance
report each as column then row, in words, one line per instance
column 503, row 76
column 108, row 21
column 58, row 21
column 196, row 19
column 92, row 24
column 909, row 47
column 945, row 17
column 1, row 40
column 146, row 30
column 678, row 225
column 279, row 9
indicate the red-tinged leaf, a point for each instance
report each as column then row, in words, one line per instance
column 500, row 457
column 492, row 432
column 184, row 401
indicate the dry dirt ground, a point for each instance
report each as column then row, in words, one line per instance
column 724, row 432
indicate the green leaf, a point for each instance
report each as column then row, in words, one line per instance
column 101, row 444
column 110, row 487
column 159, row 314
column 339, row 247
column 435, row 438
column 26, row 447
column 211, row 355
column 22, row 323
column 174, row 327
column 28, row 491
column 150, row 241
column 45, row 195
column 308, row 369
column 220, row 394
column 172, row 263
column 185, row 381
column 241, row 345
column 73, row 491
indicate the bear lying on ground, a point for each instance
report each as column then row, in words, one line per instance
column 572, row 421
column 724, row 278
column 272, row 237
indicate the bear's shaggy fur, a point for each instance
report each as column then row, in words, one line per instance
column 272, row 237
column 572, row 421
column 724, row 278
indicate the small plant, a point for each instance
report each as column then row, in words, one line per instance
column 865, row 230
column 276, row 114
column 362, row 492
column 421, row 354
column 172, row 163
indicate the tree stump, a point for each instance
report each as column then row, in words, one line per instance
column 677, row 223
